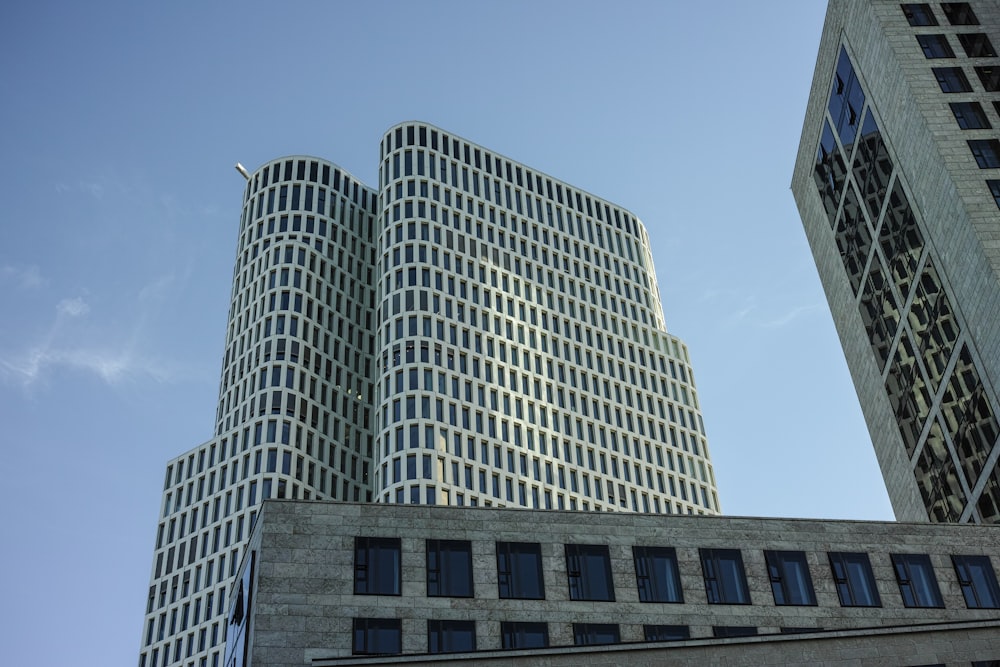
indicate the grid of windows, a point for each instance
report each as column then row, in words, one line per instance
column 948, row 436
column 471, row 332
column 521, row 351
column 589, row 570
column 286, row 426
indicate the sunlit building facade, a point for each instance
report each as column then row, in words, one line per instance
column 898, row 184
column 473, row 332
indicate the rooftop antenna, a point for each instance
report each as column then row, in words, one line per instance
column 240, row 168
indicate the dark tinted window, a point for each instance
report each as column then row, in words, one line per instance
column 978, row 581
column 524, row 635
column 588, row 634
column 970, row 115
column 588, row 568
column 990, row 78
column 952, row 79
column 725, row 579
column 733, row 630
column 986, row 152
column 377, row 567
column 451, row 636
column 666, row 633
column 449, row 568
column 852, row 573
column 519, row 570
column 381, row 636
column 656, row 574
column 790, row 580
column 994, row 186
column 847, row 99
column 919, row 13
column 959, row 13
column 935, row 46
column 917, row 583
column 977, row 45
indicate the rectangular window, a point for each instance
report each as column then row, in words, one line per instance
column 377, row 636
column 656, row 574
column 935, row 46
column 377, row 566
column 734, row 630
column 588, row 568
column 449, row 568
column 959, row 13
column 978, row 581
column 986, row 152
column 990, row 78
column 725, row 578
column 451, row 636
column 519, row 570
column 977, row 45
column 917, row 583
column 855, row 582
column 970, row 115
column 590, row 634
column 994, row 187
column 919, row 13
column 790, row 580
column 952, row 79
column 524, row 635
column 665, row 633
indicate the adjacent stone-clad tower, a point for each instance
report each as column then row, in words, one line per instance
column 474, row 332
column 897, row 181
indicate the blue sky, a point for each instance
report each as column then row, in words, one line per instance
column 120, row 204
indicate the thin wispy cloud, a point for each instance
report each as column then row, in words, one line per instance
column 111, row 366
column 75, row 307
column 74, row 341
column 790, row 316
column 95, row 190
column 745, row 311
column 24, row 277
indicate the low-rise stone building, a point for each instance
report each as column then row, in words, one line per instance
column 328, row 583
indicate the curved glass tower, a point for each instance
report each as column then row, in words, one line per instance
column 522, row 354
column 473, row 332
column 297, row 371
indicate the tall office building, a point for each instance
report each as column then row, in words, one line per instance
column 897, row 181
column 472, row 332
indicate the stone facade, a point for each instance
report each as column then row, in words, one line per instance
column 932, row 402
column 301, row 603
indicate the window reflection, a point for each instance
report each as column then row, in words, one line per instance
column 938, row 478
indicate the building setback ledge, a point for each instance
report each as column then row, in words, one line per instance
column 945, row 641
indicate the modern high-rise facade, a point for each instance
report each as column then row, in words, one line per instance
column 472, row 332
column 897, row 181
